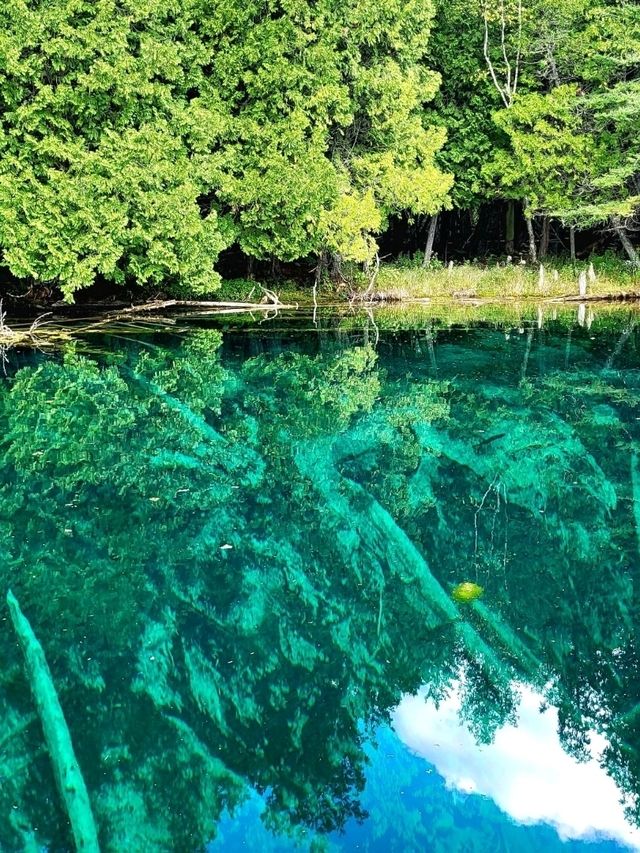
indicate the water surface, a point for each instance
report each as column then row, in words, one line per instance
column 238, row 544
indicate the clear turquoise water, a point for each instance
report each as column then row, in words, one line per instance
column 238, row 544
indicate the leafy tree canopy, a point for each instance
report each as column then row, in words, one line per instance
column 139, row 140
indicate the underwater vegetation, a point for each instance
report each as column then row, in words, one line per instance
column 238, row 554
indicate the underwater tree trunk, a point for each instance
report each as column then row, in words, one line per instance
column 194, row 419
column 385, row 540
column 635, row 486
column 431, row 236
column 65, row 766
column 507, row 641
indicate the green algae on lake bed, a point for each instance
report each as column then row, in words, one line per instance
column 238, row 550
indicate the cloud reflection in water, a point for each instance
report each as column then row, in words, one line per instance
column 524, row 771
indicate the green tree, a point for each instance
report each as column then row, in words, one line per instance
column 571, row 149
column 103, row 157
column 137, row 142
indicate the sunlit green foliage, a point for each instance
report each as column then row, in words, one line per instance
column 541, row 103
column 139, row 141
column 572, row 152
column 550, row 161
column 104, row 155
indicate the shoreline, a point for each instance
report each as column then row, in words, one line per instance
column 108, row 311
column 401, row 295
column 400, row 283
column 56, row 328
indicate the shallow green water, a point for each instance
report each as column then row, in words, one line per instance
column 238, row 547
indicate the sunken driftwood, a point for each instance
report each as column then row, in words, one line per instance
column 66, row 769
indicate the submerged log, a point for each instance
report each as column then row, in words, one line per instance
column 635, row 489
column 386, row 540
column 66, row 769
column 508, row 642
column 194, row 419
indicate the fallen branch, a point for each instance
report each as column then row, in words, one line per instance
column 197, row 303
column 65, row 766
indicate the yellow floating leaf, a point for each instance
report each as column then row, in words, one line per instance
column 466, row 592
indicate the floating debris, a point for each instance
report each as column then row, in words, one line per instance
column 466, row 592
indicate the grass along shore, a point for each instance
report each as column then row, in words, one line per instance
column 605, row 277
column 603, row 310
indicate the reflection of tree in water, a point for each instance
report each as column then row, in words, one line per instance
column 227, row 571
column 528, row 492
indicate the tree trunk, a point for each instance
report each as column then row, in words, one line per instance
column 336, row 266
column 544, row 238
column 628, row 246
column 321, row 267
column 572, row 243
column 533, row 255
column 552, row 66
column 511, row 228
column 428, row 251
